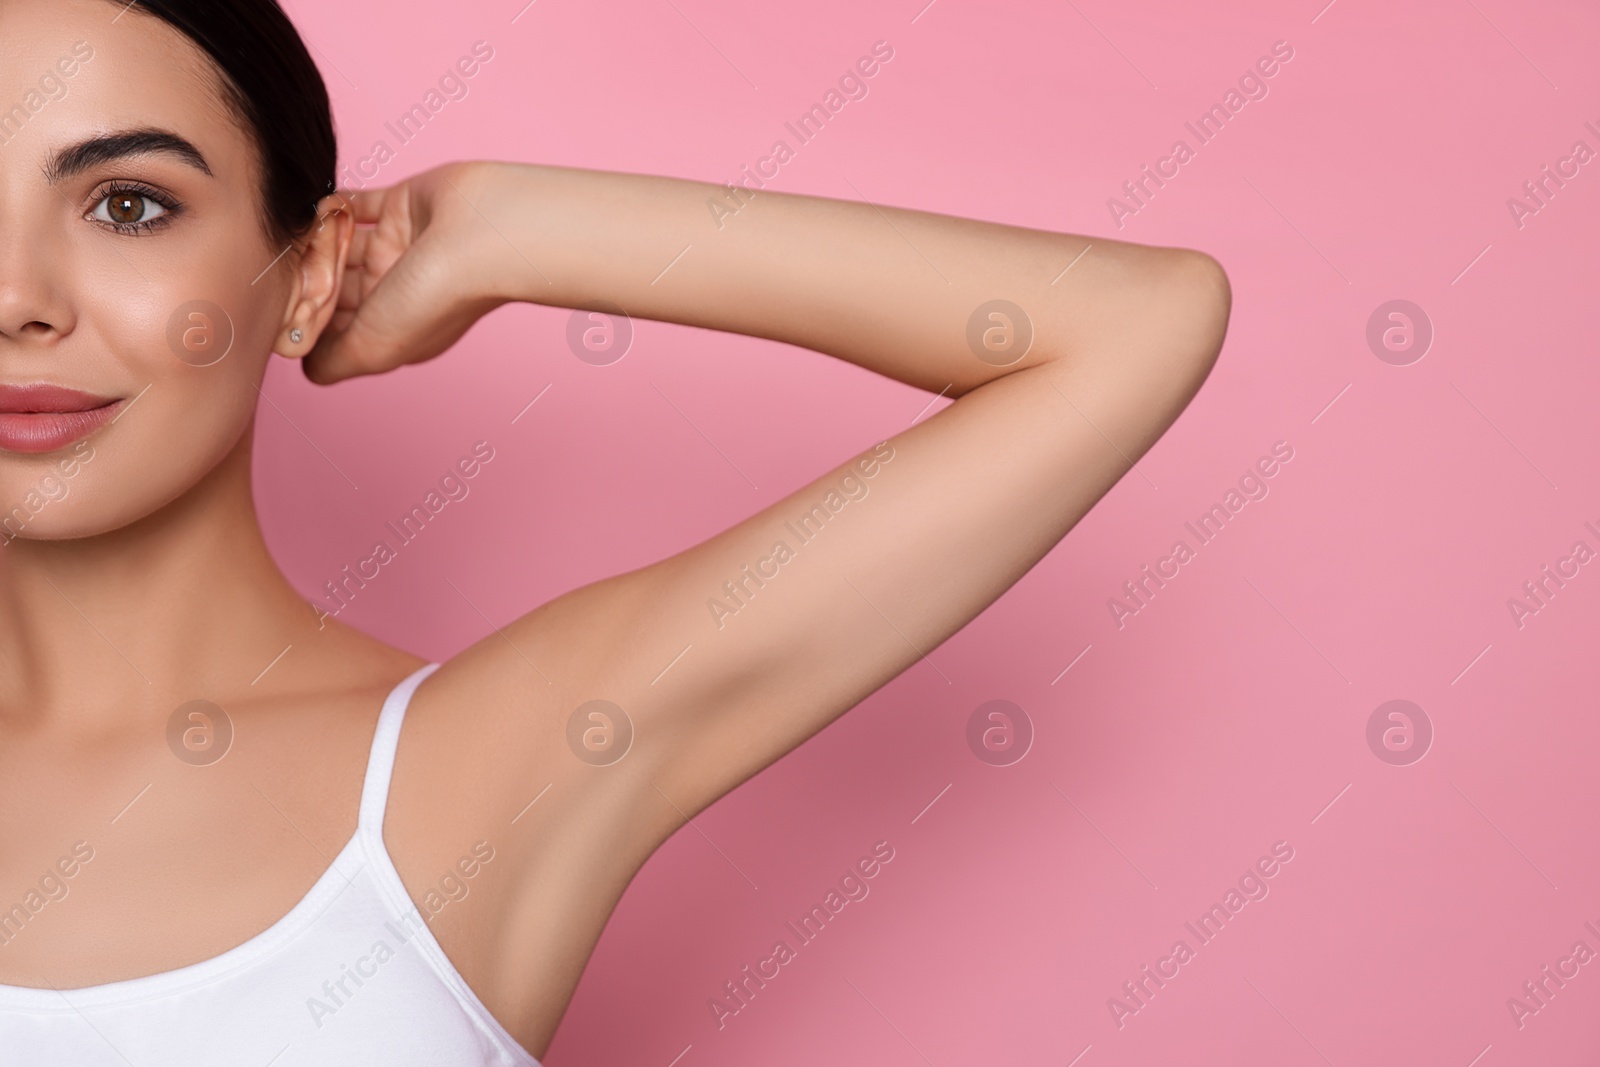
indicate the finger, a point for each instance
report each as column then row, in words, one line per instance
column 360, row 245
column 352, row 288
column 384, row 331
column 366, row 204
column 343, row 351
column 365, row 340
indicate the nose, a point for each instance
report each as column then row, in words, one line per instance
column 34, row 306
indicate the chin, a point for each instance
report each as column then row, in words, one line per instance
column 119, row 477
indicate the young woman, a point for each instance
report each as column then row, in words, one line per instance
column 167, row 221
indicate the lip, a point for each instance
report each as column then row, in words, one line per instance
column 44, row 418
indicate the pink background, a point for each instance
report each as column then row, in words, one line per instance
column 1226, row 715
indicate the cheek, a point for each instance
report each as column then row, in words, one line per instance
column 187, row 409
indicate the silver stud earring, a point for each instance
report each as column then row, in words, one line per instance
column 295, row 335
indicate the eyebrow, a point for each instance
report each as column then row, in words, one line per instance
column 106, row 148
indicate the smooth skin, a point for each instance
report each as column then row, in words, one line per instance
column 149, row 585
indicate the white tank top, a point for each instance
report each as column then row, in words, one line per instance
column 352, row 975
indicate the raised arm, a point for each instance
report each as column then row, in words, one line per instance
column 778, row 625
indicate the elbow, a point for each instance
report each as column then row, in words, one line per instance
column 1219, row 300
column 1209, row 298
column 1202, row 301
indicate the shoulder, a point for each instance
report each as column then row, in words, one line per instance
column 521, row 805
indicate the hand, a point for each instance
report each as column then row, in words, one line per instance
column 415, row 279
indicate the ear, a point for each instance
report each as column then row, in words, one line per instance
column 314, row 296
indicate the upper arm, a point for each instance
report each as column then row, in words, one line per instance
column 730, row 653
column 723, row 657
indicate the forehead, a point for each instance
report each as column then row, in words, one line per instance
column 70, row 69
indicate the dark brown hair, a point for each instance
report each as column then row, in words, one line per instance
column 277, row 92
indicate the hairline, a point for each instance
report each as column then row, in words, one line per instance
column 237, row 110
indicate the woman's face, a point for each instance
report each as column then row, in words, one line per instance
column 140, row 295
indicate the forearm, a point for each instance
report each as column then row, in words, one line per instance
column 892, row 290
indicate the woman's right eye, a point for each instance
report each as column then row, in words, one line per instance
column 129, row 210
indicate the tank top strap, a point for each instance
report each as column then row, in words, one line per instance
column 385, row 742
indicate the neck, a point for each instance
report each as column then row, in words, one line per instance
column 186, row 603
